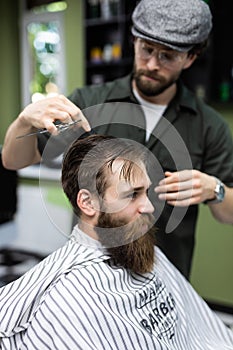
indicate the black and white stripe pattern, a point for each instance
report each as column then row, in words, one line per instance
column 76, row 299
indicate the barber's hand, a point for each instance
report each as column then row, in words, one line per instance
column 186, row 187
column 43, row 113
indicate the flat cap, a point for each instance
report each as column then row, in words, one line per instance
column 179, row 24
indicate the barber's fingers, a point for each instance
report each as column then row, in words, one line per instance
column 177, row 181
column 67, row 112
column 181, row 197
column 180, row 176
column 43, row 114
column 66, row 118
column 185, row 187
column 83, row 122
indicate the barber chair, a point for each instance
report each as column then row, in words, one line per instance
column 13, row 262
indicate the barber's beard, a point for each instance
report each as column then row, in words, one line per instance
column 129, row 245
column 152, row 88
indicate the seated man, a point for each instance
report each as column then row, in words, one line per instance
column 109, row 287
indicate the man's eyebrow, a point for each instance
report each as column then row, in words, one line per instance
column 136, row 189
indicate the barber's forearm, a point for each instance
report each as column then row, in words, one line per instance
column 19, row 153
column 223, row 212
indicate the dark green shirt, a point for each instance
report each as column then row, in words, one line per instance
column 190, row 135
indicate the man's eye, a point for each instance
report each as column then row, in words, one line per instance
column 132, row 195
column 148, row 50
column 167, row 56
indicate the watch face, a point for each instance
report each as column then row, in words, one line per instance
column 220, row 191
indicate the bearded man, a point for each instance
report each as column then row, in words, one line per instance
column 168, row 38
column 109, row 287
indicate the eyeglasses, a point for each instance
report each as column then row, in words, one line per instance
column 166, row 58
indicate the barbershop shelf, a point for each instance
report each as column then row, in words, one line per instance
column 108, row 40
column 122, row 62
column 104, row 22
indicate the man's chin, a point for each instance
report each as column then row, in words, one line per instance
column 150, row 88
column 137, row 256
column 130, row 245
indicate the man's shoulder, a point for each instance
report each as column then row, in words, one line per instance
column 90, row 95
column 200, row 107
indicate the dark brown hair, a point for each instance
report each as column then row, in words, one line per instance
column 198, row 49
column 87, row 163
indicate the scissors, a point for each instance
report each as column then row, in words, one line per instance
column 60, row 127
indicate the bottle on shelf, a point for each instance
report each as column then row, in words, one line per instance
column 109, row 8
column 116, row 52
column 108, row 45
column 114, row 7
column 224, row 91
column 105, row 9
column 96, row 55
column 107, row 53
column 93, row 9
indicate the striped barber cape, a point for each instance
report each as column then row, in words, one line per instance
column 77, row 299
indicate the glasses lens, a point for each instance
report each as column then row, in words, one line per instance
column 166, row 58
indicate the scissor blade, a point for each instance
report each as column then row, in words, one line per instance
column 60, row 127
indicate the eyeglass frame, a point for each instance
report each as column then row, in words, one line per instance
column 166, row 62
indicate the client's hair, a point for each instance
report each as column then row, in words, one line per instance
column 87, row 163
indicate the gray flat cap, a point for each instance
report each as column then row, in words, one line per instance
column 179, row 24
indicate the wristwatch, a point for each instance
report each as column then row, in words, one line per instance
column 219, row 192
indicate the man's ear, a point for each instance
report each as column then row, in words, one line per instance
column 85, row 202
column 189, row 61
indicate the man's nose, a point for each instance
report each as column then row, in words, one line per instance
column 146, row 207
column 153, row 62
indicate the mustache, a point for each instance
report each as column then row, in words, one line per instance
column 147, row 73
column 115, row 233
column 146, row 220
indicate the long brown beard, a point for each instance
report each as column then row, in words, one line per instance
column 137, row 254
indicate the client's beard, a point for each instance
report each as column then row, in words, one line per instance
column 127, row 244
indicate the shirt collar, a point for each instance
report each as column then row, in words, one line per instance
column 184, row 98
column 82, row 238
column 123, row 91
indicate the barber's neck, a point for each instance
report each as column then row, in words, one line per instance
column 162, row 99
